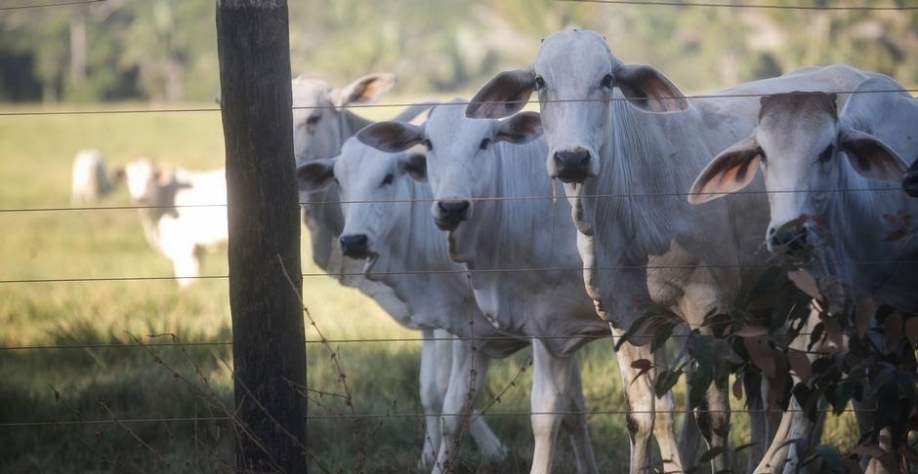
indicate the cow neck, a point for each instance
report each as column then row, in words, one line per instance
column 324, row 218
column 411, row 252
column 624, row 179
column 843, row 209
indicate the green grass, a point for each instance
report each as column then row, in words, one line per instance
column 178, row 394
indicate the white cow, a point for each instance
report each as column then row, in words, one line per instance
column 388, row 228
column 183, row 212
column 90, row 179
column 511, row 236
column 626, row 142
column 828, row 176
column 321, row 124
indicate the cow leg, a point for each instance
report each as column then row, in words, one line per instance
column 758, row 418
column 551, row 377
column 794, row 426
column 646, row 414
column 713, row 418
column 467, row 375
column 436, row 361
column 186, row 268
column 574, row 422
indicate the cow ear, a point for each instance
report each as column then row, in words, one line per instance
column 523, row 127
column 316, row 175
column 390, row 137
column 366, row 90
column 730, row 171
column 504, row 95
column 415, row 164
column 870, row 157
column 649, row 90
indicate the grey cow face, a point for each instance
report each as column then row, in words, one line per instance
column 803, row 149
column 461, row 164
column 462, row 159
column 373, row 192
column 316, row 121
column 574, row 74
column 319, row 112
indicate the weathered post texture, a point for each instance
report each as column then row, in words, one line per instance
column 264, row 235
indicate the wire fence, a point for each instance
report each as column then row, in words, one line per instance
column 329, row 341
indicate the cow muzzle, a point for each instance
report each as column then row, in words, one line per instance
column 910, row 182
column 572, row 166
column 448, row 214
column 354, row 246
column 787, row 240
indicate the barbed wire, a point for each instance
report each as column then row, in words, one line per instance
column 611, row 412
column 892, row 189
column 48, row 5
column 747, row 5
column 460, row 271
column 370, row 340
column 706, row 96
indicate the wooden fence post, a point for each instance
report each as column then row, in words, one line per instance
column 269, row 351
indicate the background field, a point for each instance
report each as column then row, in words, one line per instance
column 94, row 377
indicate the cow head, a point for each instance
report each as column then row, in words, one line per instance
column 372, row 186
column 143, row 178
column 574, row 74
column 803, row 148
column 319, row 112
column 461, row 156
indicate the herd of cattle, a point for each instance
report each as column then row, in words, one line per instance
column 446, row 217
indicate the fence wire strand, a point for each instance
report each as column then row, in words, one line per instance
column 620, row 412
column 49, row 5
column 747, row 5
column 707, row 96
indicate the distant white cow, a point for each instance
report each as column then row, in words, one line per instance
column 183, row 212
column 522, row 260
column 387, row 227
column 321, row 124
column 91, row 180
column 828, row 176
column 626, row 143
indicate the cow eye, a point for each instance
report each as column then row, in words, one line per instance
column 826, row 154
column 428, row 144
column 539, row 83
column 759, row 151
column 388, row 179
column 484, row 144
column 607, row 81
column 311, row 122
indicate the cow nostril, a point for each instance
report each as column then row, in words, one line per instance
column 353, row 244
column 572, row 166
column 792, row 239
column 453, row 207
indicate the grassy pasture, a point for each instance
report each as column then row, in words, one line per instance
column 94, row 381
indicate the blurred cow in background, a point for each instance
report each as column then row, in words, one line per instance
column 91, row 180
column 183, row 212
